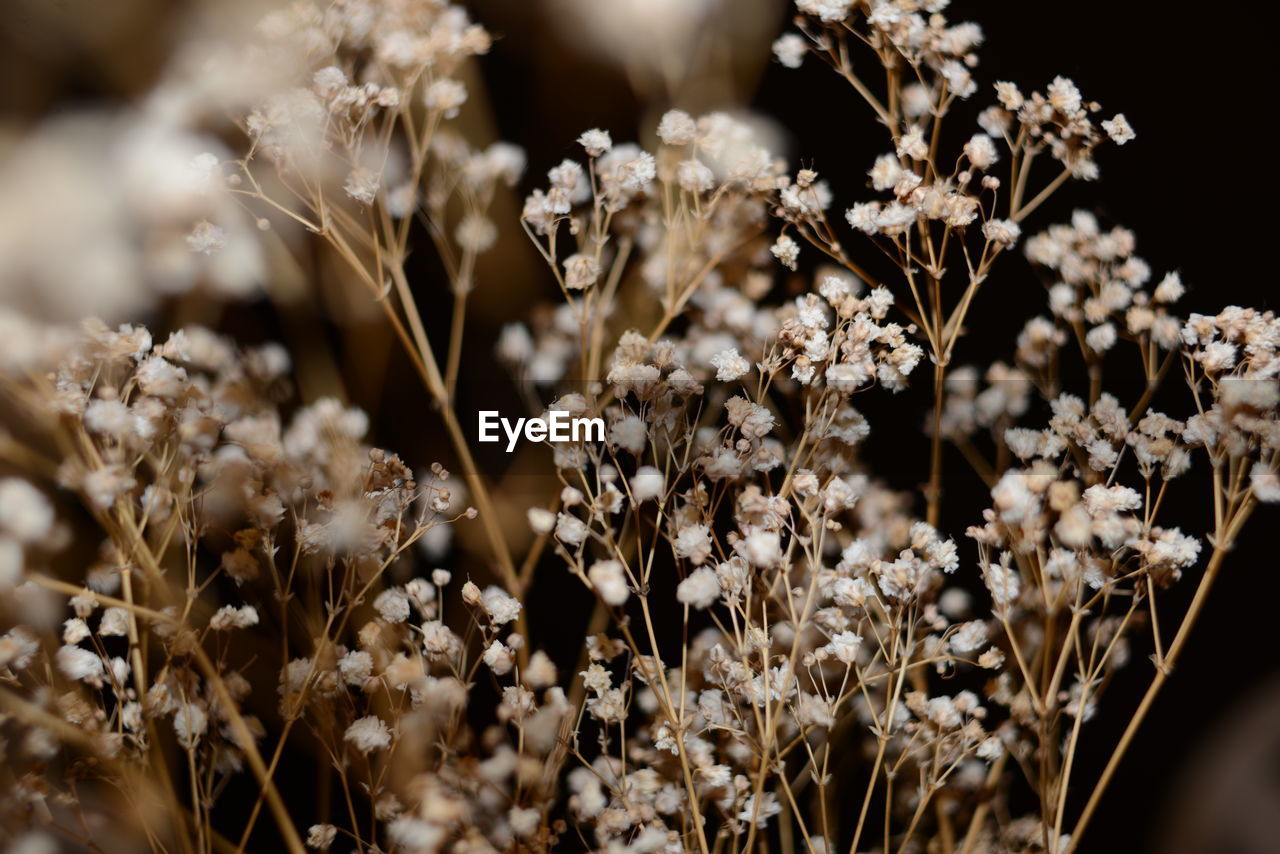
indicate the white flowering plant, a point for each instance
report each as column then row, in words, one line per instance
column 225, row 604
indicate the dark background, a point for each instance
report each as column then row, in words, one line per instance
column 1198, row 86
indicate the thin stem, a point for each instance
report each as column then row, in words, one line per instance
column 934, row 491
column 1162, row 674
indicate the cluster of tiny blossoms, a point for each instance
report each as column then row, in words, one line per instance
column 244, row 560
column 368, row 67
column 820, row 615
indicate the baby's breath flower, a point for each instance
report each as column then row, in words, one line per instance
column 609, row 581
column 596, row 142
column 368, row 734
column 790, row 49
column 542, row 521
column 1265, row 483
column 356, row 667
column 677, row 128
column 206, row 238
column 499, row 658
column 912, row 144
column 114, row 622
column 321, row 836
column 647, row 484
column 700, row 589
column 570, row 530
column 786, row 250
column 1009, row 96
column 971, row 637
column 190, row 722
column 1064, row 96
column 230, row 617
column 1002, row 231
column 445, row 95
column 762, row 549
column 1118, row 129
column 693, row 542
column 476, row 233
column 981, row 151
column 80, row 664
column 540, row 672
column 1101, row 338
column 730, row 365
column 630, row 433
column 638, row 173
column 392, row 605
column 74, row 630
column 501, row 607
column 844, row 647
column 25, row 514
column 580, row 272
column 1003, row 584
column 362, row 185
column 694, row 176
column 1170, row 289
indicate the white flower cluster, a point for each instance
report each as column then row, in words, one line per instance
column 763, row 602
column 1101, row 285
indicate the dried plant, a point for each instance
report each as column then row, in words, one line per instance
column 218, row 595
